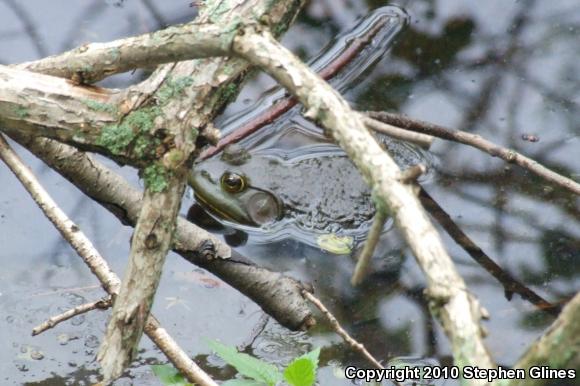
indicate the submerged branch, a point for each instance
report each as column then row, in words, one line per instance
column 354, row 48
column 276, row 294
column 365, row 256
column 509, row 283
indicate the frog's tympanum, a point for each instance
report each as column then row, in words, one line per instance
column 226, row 187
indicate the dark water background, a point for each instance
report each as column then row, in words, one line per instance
column 502, row 69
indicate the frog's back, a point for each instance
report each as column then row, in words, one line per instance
column 324, row 194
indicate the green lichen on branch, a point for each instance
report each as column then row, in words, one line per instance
column 230, row 91
column 116, row 138
column 172, row 88
column 194, row 133
column 135, row 134
column 102, row 107
column 173, row 159
column 135, row 129
column 21, row 112
column 380, row 205
column 155, row 177
column 144, row 146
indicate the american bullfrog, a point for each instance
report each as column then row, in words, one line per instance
column 316, row 192
column 293, row 181
column 322, row 193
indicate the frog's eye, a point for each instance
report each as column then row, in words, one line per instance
column 232, row 182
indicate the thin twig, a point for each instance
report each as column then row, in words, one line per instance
column 365, row 256
column 474, row 140
column 101, row 304
column 341, row 331
column 510, row 284
column 68, row 229
column 83, row 246
column 353, row 343
column 395, row 132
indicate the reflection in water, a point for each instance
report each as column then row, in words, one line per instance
column 500, row 72
column 319, row 190
column 381, row 26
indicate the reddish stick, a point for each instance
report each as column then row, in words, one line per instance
column 285, row 104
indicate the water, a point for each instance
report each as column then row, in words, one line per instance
column 464, row 65
column 299, row 147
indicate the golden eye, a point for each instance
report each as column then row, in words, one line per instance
column 232, row 182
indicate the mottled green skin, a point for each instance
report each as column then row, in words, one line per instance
column 323, row 194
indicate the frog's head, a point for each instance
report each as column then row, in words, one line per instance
column 221, row 186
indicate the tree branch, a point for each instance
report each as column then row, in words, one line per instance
column 96, row 61
column 474, row 140
column 46, row 106
column 557, row 348
column 83, row 246
column 456, row 309
column 150, row 243
column 278, row 295
column 101, row 304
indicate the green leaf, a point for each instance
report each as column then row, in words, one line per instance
column 169, row 376
column 300, row 372
column 242, row 382
column 312, row 356
column 247, row 365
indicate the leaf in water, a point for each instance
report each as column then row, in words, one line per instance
column 247, row 365
column 300, row 372
column 312, row 356
column 338, row 245
column 169, row 375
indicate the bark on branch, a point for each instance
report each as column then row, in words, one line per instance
column 46, row 106
column 478, row 142
column 278, row 295
column 96, row 263
column 557, row 348
column 93, row 62
column 452, row 304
